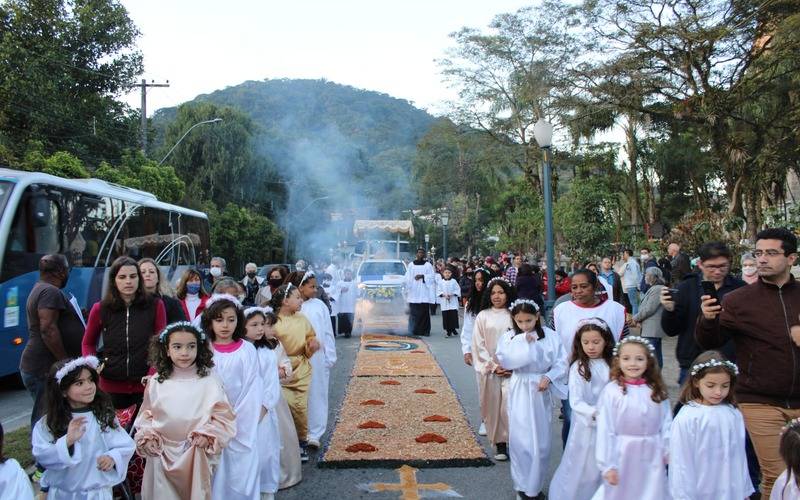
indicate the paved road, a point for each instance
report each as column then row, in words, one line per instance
column 478, row 483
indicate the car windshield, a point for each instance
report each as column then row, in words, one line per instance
column 382, row 268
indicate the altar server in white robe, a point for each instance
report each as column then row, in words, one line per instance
column 323, row 360
column 707, row 441
column 577, row 476
column 633, row 426
column 269, row 438
column 348, row 295
column 420, row 289
column 236, row 364
column 79, row 442
column 449, row 296
column 533, row 354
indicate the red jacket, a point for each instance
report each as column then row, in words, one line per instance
column 200, row 308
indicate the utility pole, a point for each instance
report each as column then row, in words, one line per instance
column 143, row 87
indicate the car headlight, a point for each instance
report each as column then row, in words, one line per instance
column 362, row 286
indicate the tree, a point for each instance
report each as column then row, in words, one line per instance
column 139, row 172
column 242, row 236
column 63, row 64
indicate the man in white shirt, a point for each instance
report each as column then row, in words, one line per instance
column 631, row 275
column 419, row 282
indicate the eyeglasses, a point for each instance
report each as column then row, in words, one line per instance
column 768, row 253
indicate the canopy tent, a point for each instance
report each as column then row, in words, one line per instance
column 361, row 227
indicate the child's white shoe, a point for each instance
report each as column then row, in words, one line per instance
column 482, row 429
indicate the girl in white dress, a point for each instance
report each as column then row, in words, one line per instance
column 533, row 355
column 707, row 453
column 471, row 310
column 269, row 438
column 787, row 486
column 577, row 476
column 79, row 442
column 633, row 425
column 236, row 363
column 13, row 480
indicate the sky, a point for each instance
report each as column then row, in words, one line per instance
column 200, row 46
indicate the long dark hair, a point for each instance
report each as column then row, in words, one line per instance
column 112, row 298
column 475, row 295
column 580, row 357
column 180, row 290
column 214, row 311
column 59, row 412
column 511, row 293
column 527, row 307
column 690, row 391
column 790, row 453
column 159, row 346
column 3, row 458
column 279, row 295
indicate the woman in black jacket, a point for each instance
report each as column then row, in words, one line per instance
column 156, row 287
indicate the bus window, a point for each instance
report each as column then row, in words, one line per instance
column 86, row 226
column 36, row 231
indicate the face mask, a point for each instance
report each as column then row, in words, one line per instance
column 645, row 256
column 193, row 288
column 216, row 272
column 275, row 282
column 251, row 274
column 749, row 270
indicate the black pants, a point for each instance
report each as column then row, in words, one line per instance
column 333, row 325
column 346, row 324
column 419, row 319
column 450, row 321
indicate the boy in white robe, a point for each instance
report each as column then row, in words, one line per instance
column 449, row 296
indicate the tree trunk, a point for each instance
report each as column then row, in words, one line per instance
column 631, row 148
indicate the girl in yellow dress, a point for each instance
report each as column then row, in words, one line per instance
column 300, row 342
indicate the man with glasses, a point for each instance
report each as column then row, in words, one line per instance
column 762, row 321
column 682, row 308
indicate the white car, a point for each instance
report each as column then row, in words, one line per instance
column 381, row 280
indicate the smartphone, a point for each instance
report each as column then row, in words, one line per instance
column 709, row 289
column 673, row 293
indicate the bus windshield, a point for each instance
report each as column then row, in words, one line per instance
column 382, row 268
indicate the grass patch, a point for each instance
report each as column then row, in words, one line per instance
column 17, row 445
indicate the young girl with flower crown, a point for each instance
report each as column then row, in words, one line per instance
column 490, row 324
column 297, row 336
column 787, row 486
column 269, row 438
column 633, row 425
column 186, row 420
column 79, row 442
column 707, row 441
column 236, row 364
column 577, row 476
column 533, row 355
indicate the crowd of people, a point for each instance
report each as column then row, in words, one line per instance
column 223, row 386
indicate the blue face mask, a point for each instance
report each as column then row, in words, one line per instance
column 193, row 288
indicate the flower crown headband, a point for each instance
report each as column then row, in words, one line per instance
column 594, row 322
column 791, row 424
column 307, row 276
column 712, row 363
column 496, row 279
column 638, row 340
column 519, row 302
column 76, row 363
column 223, row 296
column 180, row 325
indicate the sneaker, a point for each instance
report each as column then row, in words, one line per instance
column 502, row 452
column 482, row 429
column 303, row 451
column 313, row 443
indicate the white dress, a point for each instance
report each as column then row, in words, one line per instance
column 269, row 437
column 785, row 488
column 237, row 476
column 530, row 411
column 707, row 457
column 74, row 476
column 577, row 476
column 14, row 483
column 321, row 362
column 466, row 331
column 633, row 438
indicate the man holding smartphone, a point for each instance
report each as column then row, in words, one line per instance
column 762, row 320
column 682, row 304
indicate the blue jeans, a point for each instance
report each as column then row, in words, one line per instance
column 682, row 376
column 566, row 410
column 35, row 384
column 633, row 297
column 656, row 342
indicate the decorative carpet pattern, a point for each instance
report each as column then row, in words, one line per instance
column 400, row 409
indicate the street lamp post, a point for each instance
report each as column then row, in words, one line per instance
column 543, row 132
column 427, row 240
column 445, row 221
column 213, row 120
column 288, row 231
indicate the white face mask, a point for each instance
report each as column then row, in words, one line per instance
column 645, row 257
column 749, row 270
column 216, row 272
